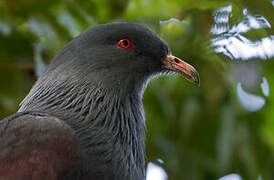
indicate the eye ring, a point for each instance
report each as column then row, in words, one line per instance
column 124, row 43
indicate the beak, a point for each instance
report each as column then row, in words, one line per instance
column 175, row 64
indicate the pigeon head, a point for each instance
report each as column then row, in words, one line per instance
column 118, row 55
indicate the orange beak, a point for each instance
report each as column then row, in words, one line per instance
column 177, row 65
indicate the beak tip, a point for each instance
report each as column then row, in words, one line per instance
column 198, row 83
column 196, row 78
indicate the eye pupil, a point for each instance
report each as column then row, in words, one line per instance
column 125, row 43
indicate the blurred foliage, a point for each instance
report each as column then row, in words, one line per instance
column 199, row 132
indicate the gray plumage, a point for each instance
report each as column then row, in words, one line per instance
column 92, row 91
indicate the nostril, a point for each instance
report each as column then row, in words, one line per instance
column 177, row 60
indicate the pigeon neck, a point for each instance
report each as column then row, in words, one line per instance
column 100, row 116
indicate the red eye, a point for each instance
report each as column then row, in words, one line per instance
column 124, row 43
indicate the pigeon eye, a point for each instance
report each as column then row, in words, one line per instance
column 124, row 43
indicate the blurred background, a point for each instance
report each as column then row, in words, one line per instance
column 223, row 129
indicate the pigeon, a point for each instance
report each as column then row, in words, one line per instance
column 84, row 117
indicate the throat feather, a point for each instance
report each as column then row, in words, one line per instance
column 100, row 117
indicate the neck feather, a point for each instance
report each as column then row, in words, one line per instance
column 91, row 109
